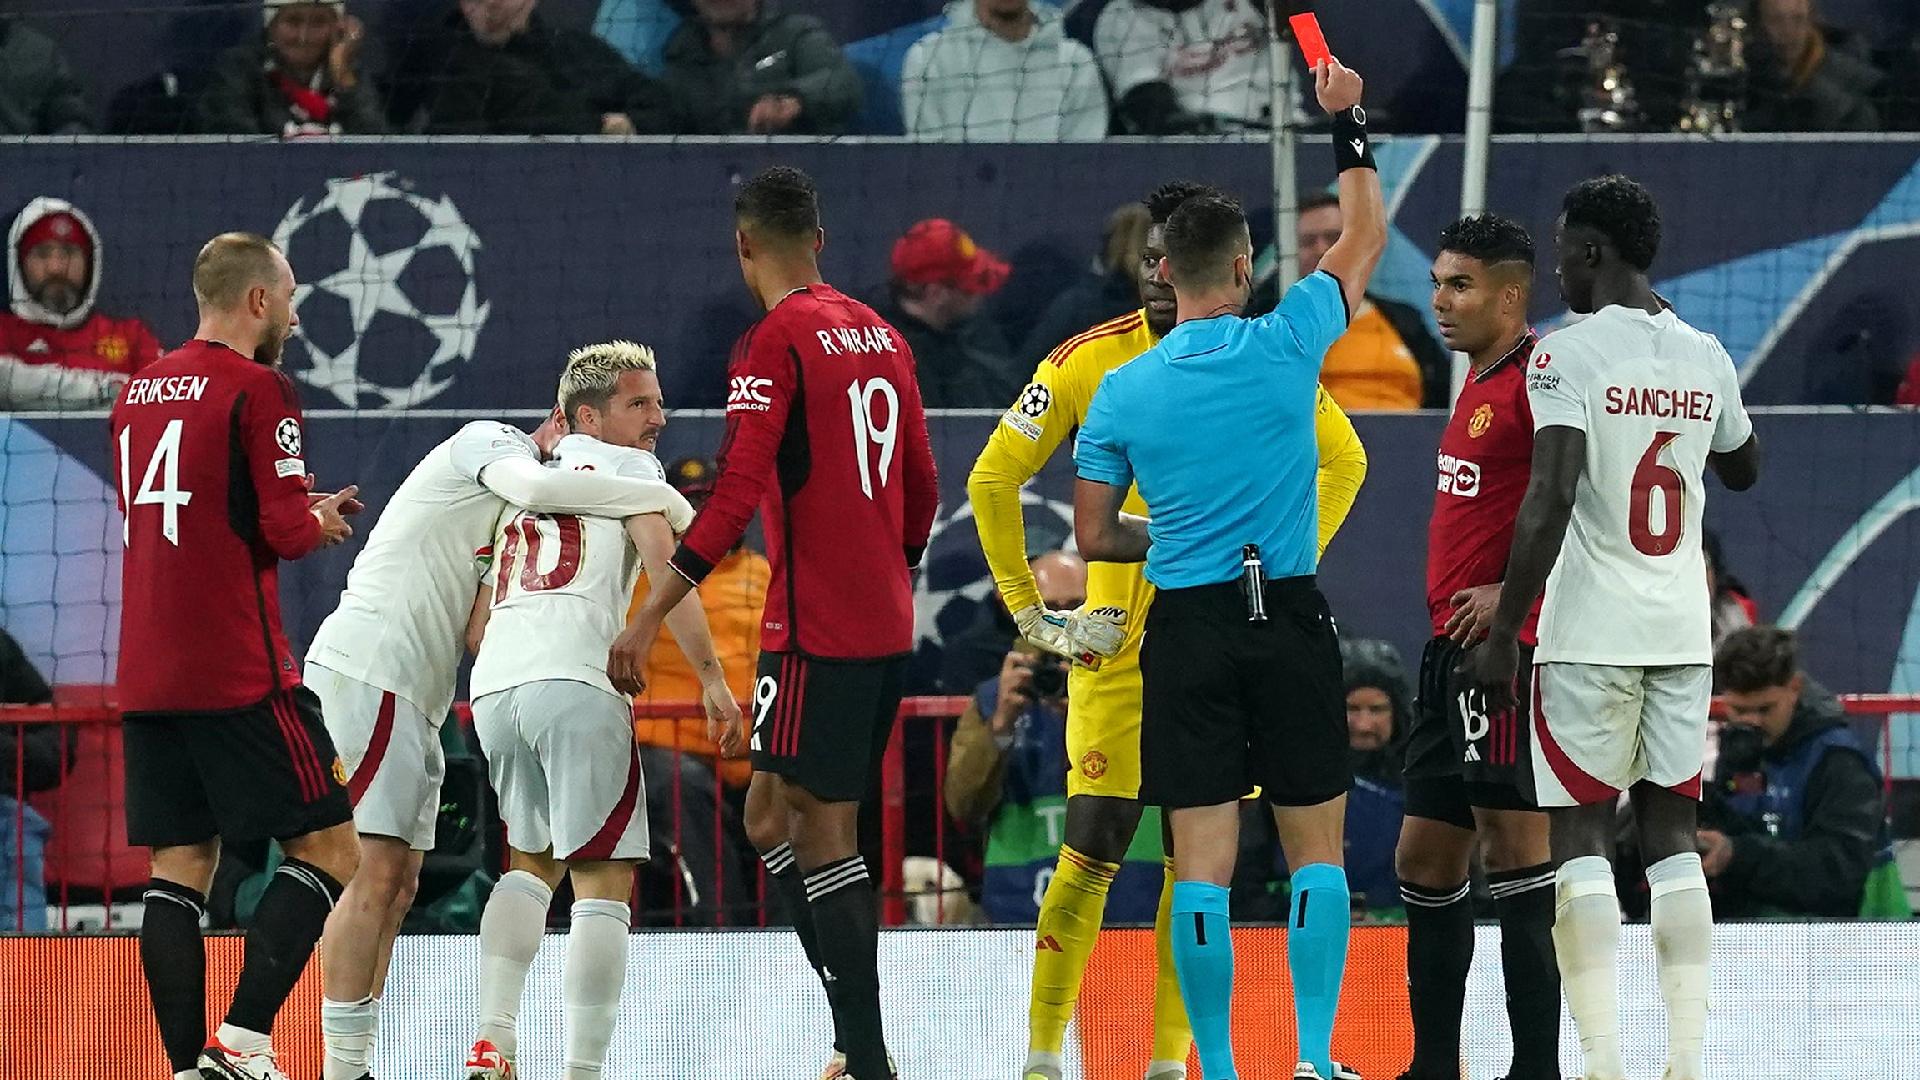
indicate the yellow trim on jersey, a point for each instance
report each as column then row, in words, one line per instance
column 1050, row 409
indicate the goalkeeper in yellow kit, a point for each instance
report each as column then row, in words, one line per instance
column 1103, row 640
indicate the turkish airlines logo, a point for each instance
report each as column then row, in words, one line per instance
column 748, row 394
column 1458, row 476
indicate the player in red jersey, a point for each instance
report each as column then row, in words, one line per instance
column 222, row 740
column 1467, row 774
column 826, row 435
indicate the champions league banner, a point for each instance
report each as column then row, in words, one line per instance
column 1827, row 542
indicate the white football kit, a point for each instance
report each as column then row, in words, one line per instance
column 1623, row 675
column 384, row 662
column 558, row 738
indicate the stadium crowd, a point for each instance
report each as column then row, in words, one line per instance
column 965, row 70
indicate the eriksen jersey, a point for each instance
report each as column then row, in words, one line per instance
column 1654, row 396
column 561, row 582
column 400, row 621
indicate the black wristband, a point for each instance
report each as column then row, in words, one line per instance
column 1351, row 149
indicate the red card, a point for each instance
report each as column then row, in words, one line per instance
column 1313, row 44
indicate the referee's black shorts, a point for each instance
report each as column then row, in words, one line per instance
column 1228, row 704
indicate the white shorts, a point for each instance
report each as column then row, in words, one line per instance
column 1600, row 729
column 563, row 760
column 392, row 755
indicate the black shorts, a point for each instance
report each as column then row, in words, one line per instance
column 824, row 724
column 1459, row 757
column 268, row 771
column 1228, row 704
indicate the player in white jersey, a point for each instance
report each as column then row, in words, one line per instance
column 1630, row 407
column 558, row 737
column 383, row 665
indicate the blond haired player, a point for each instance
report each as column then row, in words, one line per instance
column 1103, row 718
column 558, row 737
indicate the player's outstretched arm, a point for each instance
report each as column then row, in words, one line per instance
column 525, row 482
column 1363, row 211
column 688, row 621
column 1559, row 456
column 1738, row 469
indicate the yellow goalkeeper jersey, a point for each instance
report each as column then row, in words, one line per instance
column 1049, row 410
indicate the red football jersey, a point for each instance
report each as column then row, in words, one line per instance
column 102, row 343
column 1486, row 458
column 826, row 435
column 207, row 451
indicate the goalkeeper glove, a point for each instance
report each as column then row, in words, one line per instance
column 1083, row 637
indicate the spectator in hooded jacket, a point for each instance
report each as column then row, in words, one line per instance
column 495, row 67
column 1002, row 71
column 39, row 93
column 56, row 350
column 1186, row 66
column 740, row 67
column 302, row 77
column 1806, row 77
column 1109, row 289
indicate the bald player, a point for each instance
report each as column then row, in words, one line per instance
column 222, row 740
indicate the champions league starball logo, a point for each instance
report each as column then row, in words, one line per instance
column 388, row 302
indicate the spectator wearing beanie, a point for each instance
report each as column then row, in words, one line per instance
column 301, row 77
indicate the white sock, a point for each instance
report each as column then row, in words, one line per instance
column 243, row 1040
column 510, row 931
column 1157, row 1066
column 347, row 1028
column 1682, row 946
column 596, row 971
column 1043, row 1059
column 1586, row 936
column 189, row 1074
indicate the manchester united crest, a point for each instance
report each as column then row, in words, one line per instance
column 1480, row 421
column 1093, row 765
column 112, row 348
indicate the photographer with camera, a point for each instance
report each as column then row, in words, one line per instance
column 1007, row 775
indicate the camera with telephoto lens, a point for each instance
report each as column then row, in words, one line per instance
column 1049, row 677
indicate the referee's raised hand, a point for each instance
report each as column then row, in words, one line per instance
column 1336, row 85
column 328, row 512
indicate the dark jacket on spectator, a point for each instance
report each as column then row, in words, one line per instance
column 240, row 98
column 779, row 54
column 1096, row 297
column 41, row 755
column 1836, row 96
column 967, row 367
column 39, row 94
column 550, row 80
column 1806, row 820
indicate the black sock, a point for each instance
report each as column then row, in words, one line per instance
column 1439, row 952
column 174, row 957
column 1524, row 901
column 841, row 899
column 291, row 914
column 792, row 891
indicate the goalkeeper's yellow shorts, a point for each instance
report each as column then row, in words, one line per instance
column 1103, row 728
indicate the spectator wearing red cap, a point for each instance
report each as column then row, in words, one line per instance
column 56, row 351
column 301, row 77
column 940, row 279
column 685, row 842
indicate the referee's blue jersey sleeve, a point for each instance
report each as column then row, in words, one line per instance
column 1100, row 452
column 1313, row 313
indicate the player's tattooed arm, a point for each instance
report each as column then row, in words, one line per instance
column 1559, row 457
column 1101, row 531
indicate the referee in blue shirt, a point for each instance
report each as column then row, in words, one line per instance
column 1241, row 669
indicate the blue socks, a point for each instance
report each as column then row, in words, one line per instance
column 1317, row 928
column 1203, row 957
